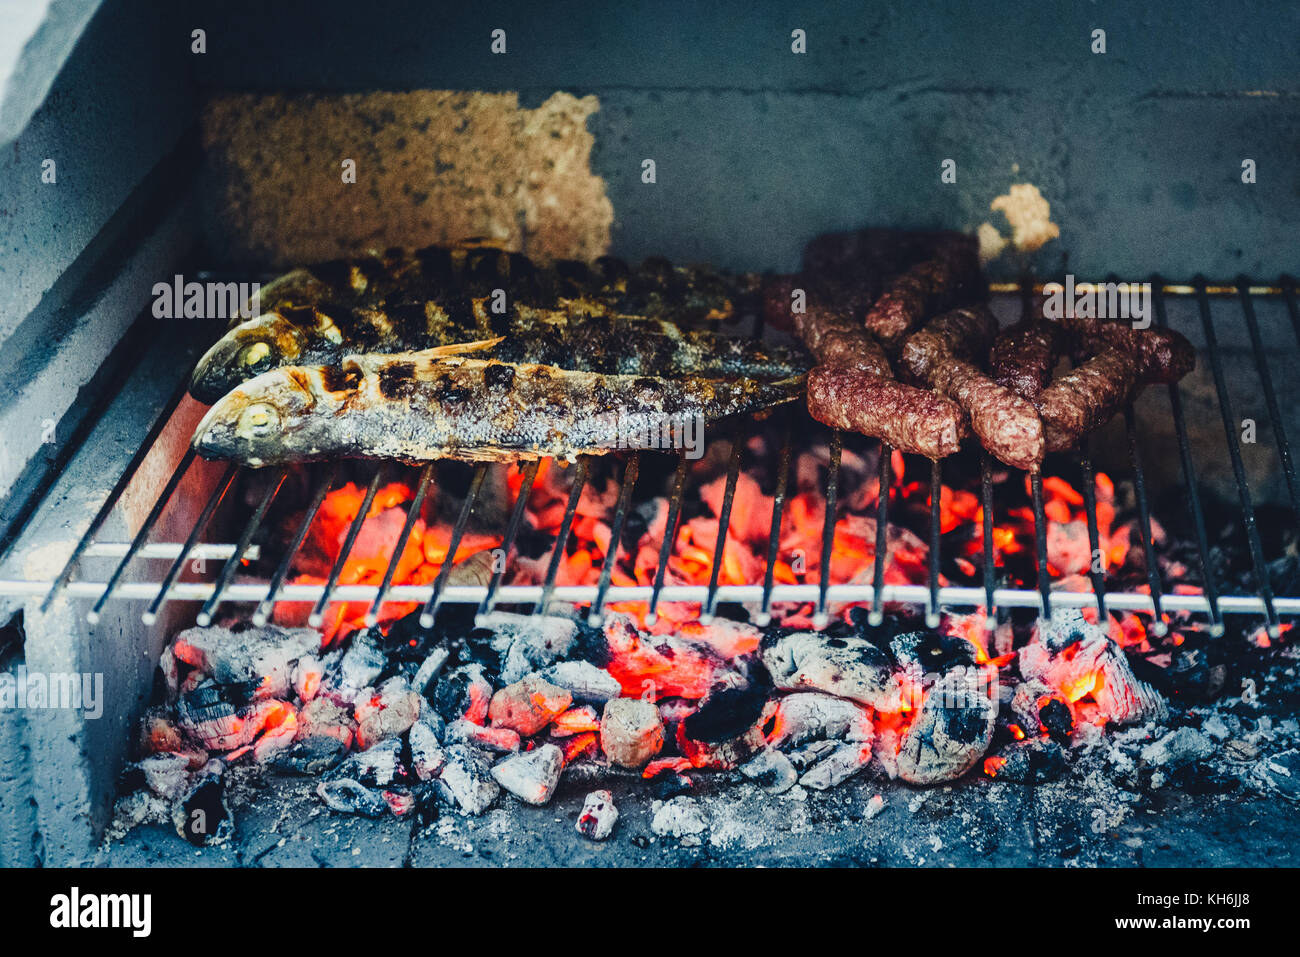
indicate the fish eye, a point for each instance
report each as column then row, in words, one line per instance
column 257, row 420
column 254, row 356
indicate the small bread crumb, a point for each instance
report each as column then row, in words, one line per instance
column 991, row 242
column 1029, row 215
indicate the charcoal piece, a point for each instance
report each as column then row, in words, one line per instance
column 528, row 705
column 425, row 741
column 584, row 681
column 166, row 775
column 1056, row 719
column 202, row 816
column 772, row 771
column 837, row 767
column 466, row 782
column 262, row 655
column 498, row 740
column 533, row 775
column 1033, row 761
column 387, row 712
column 1178, row 748
column 726, row 714
column 358, row 668
column 724, row 755
column 631, row 732
column 429, row 669
column 463, row 692
column 806, row 757
column 849, row 667
column 598, row 816
column 668, row 784
column 310, row 756
column 951, row 732
column 930, row 653
column 529, row 643
column 378, row 767
column 806, row 716
column 349, row 796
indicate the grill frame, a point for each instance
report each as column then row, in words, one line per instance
column 930, row 596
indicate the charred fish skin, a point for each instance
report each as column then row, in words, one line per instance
column 414, row 408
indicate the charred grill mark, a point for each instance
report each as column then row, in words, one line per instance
column 397, row 381
column 335, row 379
column 499, row 378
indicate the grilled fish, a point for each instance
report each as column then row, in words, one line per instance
column 580, row 338
column 428, row 405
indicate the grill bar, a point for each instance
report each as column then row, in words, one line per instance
column 146, row 529
column 1040, row 544
column 1270, row 396
column 1158, row 624
column 318, row 610
column 936, row 519
column 877, row 614
column 228, row 477
column 724, row 522
column 264, row 608
column 1097, row 560
column 670, row 537
column 562, row 536
column 430, row 610
column 508, row 540
column 205, row 614
column 630, row 473
column 399, row 548
column 764, row 616
column 820, row 617
column 986, row 501
column 1238, row 468
column 1189, row 478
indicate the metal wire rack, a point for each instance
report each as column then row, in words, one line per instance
column 932, row 597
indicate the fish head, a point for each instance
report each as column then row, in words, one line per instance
column 279, row 416
column 267, row 342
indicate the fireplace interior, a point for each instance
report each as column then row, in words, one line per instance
column 799, row 646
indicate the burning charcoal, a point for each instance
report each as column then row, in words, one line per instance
column 378, row 767
column 202, row 815
column 161, row 735
column 429, row 669
column 466, row 782
column 1178, row 748
column 308, row 673
column 805, row 758
column 166, row 775
column 849, row 667
column 598, row 817
column 401, row 802
column 310, row 756
column 528, row 705
column 1077, row 659
column 387, row 713
column 220, row 724
column 532, row 775
column 264, row 655
column 1037, row 708
column 280, row 731
column 580, row 746
column 360, row 665
column 323, row 718
column 427, row 757
column 805, row 716
column 631, row 732
column 837, row 767
column 463, row 692
column 575, row 721
column 347, row 796
column 951, row 732
column 1035, row 761
column 584, row 681
column 772, row 771
column 676, row 667
column 726, row 714
column 723, row 755
column 874, row 807
column 500, row 740
column 528, row 643
column 930, row 653
column 682, row 817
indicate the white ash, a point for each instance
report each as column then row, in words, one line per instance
column 1178, row 748
column 584, row 681
column 429, row 669
column 377, row 767
column 357, row 669
column 386, row 711
column 874, row 807
column 805, row 716
column 349, row 796
column 772, row 771
column 952, row 731
column 498, row 740
column 322, row 717
column 631, row 732
column 528, row 705
column 682, row 817
column 463, row 692
column 202, row 814
column 1024, row 704
column 308, row 674
column 311, row 756
column 166, row 775
column 848, row 667
column 837, row 767
column 264, row 655
column 425, row 739
column 806, row 757
column 466, row 781
column 598, row 816
column 528, row 643
column 532, row 775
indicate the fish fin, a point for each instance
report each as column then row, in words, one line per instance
column 369, row 363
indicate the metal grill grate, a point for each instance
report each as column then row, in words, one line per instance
column 931, row 597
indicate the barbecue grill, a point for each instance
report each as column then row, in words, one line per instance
column 114, row 534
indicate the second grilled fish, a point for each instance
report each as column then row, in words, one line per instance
column 422, row 406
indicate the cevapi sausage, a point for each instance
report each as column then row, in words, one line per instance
column 909, row 419
column 948, row 278
column 827, row 325
column 1087, row 396
column 959, row 334
column 1164, row 356
column 1024, row 357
